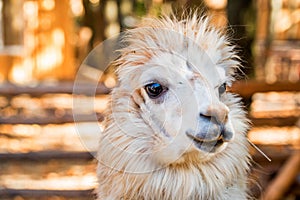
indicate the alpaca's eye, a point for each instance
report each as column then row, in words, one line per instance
column 222, row 89
column 154, row 90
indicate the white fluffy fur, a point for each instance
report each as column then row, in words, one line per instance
column 144, row 152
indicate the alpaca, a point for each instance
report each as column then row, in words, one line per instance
column 172, row 129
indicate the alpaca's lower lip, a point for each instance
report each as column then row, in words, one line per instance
column 207, row 145
column 210, row 146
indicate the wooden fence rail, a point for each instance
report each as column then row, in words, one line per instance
column 61, row 88
column 68, row 118
column 7, row 193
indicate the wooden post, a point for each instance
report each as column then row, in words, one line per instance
column 263, row 8
column 285, row 178
column 63, row 21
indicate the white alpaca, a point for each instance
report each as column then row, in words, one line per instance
column 172, row 131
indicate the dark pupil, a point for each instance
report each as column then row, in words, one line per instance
column 154, row 89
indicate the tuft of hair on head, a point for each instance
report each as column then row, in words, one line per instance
column 154, row 34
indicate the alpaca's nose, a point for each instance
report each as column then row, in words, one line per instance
column 217, row 112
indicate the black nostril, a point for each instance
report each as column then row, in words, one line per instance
column 208, row 117
column 205, row 116
column 215, row 118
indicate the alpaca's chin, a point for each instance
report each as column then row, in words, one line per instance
column 199, row 152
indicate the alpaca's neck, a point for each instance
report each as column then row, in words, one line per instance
column 190, row 182
column 222, row 178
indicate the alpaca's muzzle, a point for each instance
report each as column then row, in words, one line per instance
column 210, row 134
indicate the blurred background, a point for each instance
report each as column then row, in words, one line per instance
column 44, row 42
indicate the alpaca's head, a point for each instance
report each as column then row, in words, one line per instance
column 171, row 105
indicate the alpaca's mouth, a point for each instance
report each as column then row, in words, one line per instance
column 210, row 146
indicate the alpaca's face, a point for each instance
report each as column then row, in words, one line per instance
column 181, row 101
